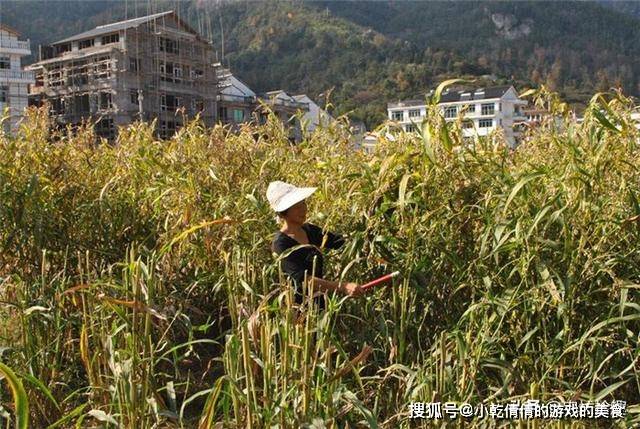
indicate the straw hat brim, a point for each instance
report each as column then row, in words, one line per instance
column 292, row 198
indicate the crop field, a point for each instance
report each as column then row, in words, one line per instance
column 138, row 288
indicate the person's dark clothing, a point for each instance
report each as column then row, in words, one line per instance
column 301, row 261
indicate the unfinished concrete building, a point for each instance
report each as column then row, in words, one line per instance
column 147, row 68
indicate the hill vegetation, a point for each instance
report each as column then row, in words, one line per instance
column 368, row 53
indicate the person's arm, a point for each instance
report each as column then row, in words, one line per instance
column 293, row 266
column 322, row 285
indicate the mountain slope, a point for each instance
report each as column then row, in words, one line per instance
column 569, row 45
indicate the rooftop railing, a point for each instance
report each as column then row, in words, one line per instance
column 287, row 103
column 16, row 74
column 15, row 44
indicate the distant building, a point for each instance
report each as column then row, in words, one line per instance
column 316, row 116
column 534, row 115
column 483, row 110
column 286, row 107
column 236, row 101
column 14, row 81
column 368, row 143
column 238, row 104
column 152, row 67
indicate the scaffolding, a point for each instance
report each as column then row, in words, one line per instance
column 158, row 69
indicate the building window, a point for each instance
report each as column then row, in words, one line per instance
column 133, row 96
column 5, row 63
column 197, row 105
column 169, row 102
column 57, row 106
column 168, row 45
column 238, row 115
column 134, row 64
column 397, row 116
column 102, row 67
column 171, row 72
column 485, row 123
column 410, row 128
column 64, row 48
column 4, row 94
column 111, row 38
column 83, row 44
column 470, row 108
column 104, row 100
column 467, row 125
column 451, row 112
column 167, row 129
column 104, row 128
column 222, row 113
column 488, row 109
column 81, row 105
column 78, row 79
column 414, row 113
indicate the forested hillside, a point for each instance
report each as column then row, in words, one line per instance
column 367, row 53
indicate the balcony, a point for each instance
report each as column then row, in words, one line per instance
column 10, row 46
column 287, row 103
column 16, row 76
column 236, row 98
column 519, row 116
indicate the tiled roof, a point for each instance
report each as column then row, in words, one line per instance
column 116, row 26
column 478, row 94
column 454, row 96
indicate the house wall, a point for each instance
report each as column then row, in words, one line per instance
column 506, row 111
column 13, row 80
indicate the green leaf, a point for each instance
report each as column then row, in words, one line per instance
column 526, row 179
column 368, row 415
column 20, row 399
column 438, row 92
column 609, row 389
column 604, row 121
column 427, row 139
column 70, row 415
column 445, row 136
column 40, row 385
column 403, row 190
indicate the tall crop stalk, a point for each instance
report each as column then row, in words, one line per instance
column 138, row 288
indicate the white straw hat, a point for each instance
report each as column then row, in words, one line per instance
column 283, row 195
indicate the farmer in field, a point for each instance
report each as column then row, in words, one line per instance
column 288, row 202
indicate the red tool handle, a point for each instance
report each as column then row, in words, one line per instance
column 377, row 281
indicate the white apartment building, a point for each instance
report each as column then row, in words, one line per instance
column 484, row 110
column 14, row 81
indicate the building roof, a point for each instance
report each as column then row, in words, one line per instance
column 478, row 94
column 459, row 95
column 232, row 81
column 5, row 27
column 121, row 25
column 278, row 93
